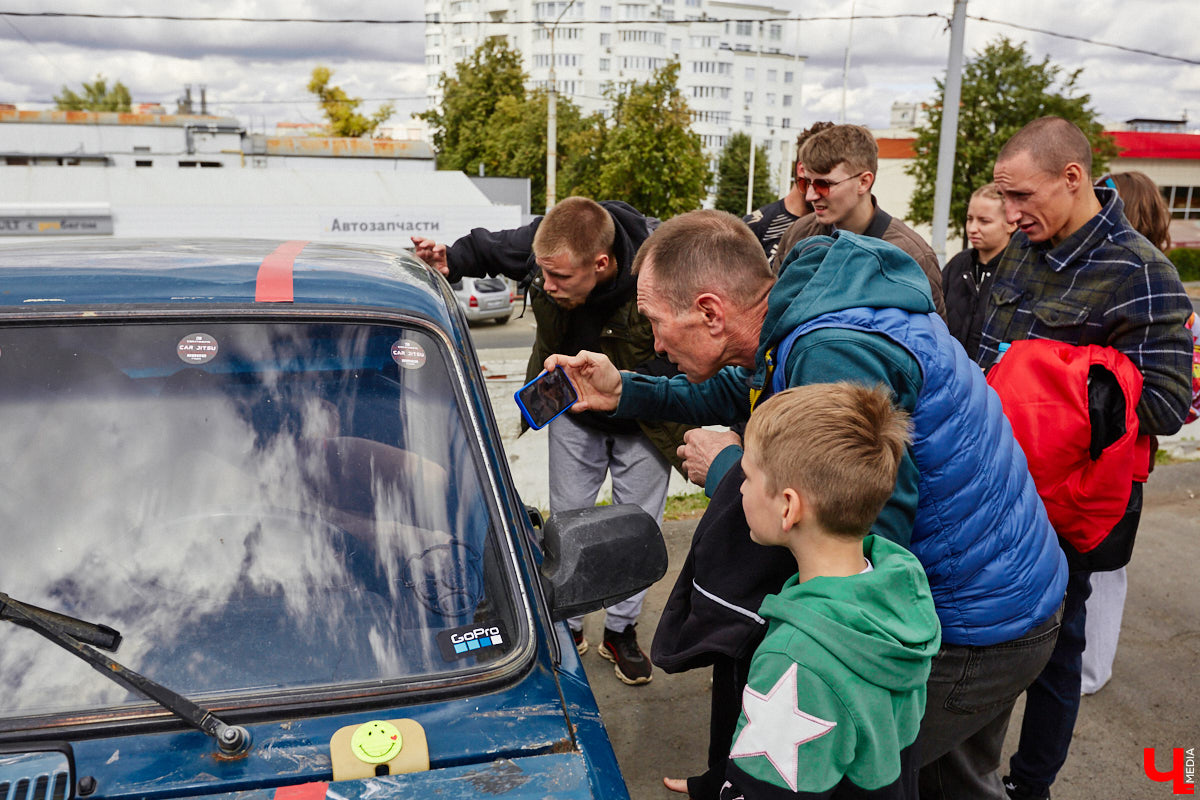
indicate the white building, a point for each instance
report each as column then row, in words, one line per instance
column 142, row 182
column 740, row 67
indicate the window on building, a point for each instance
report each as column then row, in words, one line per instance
column 605, row 12
column 745, row 28
column 746, row 119
column 787, row 101
column 770, row 122
column 604, row 65
column 786, row 122
column 775, row 32
column 788, row 77
column 749, row 73
column 605, row 39
column 772, row 75
column 199, row 164
column 770, row 98
column 434, row 17
column 1184, row 201
column 143, row 163
column 676, row 45
column 749, row 98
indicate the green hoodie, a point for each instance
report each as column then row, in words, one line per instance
column 837, row 686
column 820, row 275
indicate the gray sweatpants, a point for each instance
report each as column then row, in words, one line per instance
column 579, row 459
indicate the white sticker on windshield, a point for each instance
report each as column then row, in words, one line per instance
column 408, row 354
column 197, row 348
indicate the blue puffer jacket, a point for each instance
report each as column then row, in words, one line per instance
column 993, row 561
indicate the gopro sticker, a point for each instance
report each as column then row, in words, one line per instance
column 468, row 640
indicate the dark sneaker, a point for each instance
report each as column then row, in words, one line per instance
column 581, row 644
column 632, row 665
column 1020, row 791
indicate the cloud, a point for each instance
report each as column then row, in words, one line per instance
column 260, row 70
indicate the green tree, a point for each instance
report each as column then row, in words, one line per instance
column 463, row 126
column 733, row 169
column 652, row 159
column 516, row 142
column 342, row 110
column 97, row 96
column 1002, row 90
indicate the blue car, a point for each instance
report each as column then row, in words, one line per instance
column 258, row 538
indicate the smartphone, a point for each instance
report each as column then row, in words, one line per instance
column 545, row 397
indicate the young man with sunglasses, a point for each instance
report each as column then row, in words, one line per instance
column 840, row 164
column 771, row 221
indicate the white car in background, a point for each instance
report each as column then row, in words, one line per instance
column 484, row 299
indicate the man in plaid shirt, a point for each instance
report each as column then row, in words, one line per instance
column 1076, row 271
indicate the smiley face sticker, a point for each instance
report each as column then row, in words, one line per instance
column 376, row 742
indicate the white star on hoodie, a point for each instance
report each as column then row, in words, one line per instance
column 775, row 727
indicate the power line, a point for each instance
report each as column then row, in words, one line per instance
column 376, row 21
column 1085, row 40
column 711, row 20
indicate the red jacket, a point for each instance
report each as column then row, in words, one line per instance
column 1043, row 386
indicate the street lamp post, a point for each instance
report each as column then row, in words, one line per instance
column 949, row 133
column 552, row 121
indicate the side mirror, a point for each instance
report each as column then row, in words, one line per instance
column 597, row 556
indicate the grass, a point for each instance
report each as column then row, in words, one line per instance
column 680, row 506
column 1163, row 457
column 686, row 506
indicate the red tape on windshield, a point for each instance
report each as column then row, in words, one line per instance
column 305, row 791
column 274, row 281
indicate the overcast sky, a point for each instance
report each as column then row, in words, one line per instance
column 258, row 72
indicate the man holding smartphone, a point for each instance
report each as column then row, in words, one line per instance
column 577, row 264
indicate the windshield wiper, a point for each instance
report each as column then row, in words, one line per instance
column 100, row 636
column 231, row 739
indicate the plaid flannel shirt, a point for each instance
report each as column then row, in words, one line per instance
column 1105, row 284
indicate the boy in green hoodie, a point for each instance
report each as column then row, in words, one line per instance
column 836, row 689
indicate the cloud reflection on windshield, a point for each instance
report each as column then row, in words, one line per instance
column 210, row 540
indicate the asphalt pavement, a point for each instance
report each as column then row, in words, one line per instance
column 1153, row 699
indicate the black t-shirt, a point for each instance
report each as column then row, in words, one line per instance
column 769, row 223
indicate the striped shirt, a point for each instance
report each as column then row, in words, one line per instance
column 769, row 223
column 1105, row 284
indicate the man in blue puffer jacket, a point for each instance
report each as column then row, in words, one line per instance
column 855, row 309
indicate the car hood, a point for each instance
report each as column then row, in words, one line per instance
column 557, row 775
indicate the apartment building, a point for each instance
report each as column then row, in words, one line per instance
column 740, row 66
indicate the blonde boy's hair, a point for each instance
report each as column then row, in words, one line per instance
column 837, row 444
column 578, row 226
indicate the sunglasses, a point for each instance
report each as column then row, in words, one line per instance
column 822, row 186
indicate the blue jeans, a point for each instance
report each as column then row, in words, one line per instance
column 1052, row 702
column 970, row 697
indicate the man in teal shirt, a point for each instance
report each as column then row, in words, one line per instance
column 964, row 503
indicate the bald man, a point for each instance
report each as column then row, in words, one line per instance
column 1077, row 272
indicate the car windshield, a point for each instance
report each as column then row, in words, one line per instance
column 256, row 506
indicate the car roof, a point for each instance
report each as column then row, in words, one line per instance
column 215, row 272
